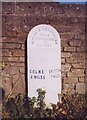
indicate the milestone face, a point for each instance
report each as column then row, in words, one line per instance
column 44, row 62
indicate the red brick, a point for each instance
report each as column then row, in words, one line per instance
column 62, row 49
column 78, row 55
column 74, row 74
column 67, row 35
column 10, row 34
column 82, row 79
column 65, row 55
column 75, row 43
column 71, row 60
column 79, row 65
column 7, row 85
column 15, row 78
column 66, row 67
column 10, row 59
column 64, row 43
column 9, row 22
column 22, row 59
column 23, row 46
column 80, row 88
column 6, row 53
column 19, row 84
column 16, row 64
column 8, row 7
column 78, row 29
column 75, row 60
column 10, row 70
column 66, row 88
column 18, row 53
column 78, row 71
column 62, row 60
column 0, row 39
column 10, row 46
column 80, row 37
column 69, row 49
column 22, row 70
column 13, row 40
column 0, row 45
column 63, row 28
column 63, row 74
column 22, row 34
column 81, row 49
column 70, row 80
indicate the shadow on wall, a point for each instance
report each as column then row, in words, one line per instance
column 26, row 78
column 2, row 94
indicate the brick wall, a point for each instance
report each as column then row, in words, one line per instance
column 86, row 44
column 19, row 18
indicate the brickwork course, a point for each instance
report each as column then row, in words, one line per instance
column 19, row 18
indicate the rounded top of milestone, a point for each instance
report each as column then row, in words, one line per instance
column 43, row 36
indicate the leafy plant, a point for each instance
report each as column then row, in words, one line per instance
column 70, row 108
column 40, row 103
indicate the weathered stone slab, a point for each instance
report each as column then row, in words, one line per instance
column 44, row 62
